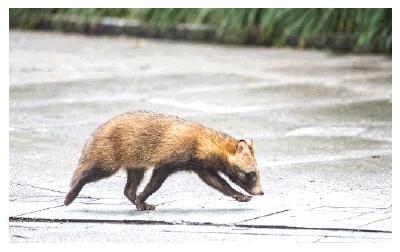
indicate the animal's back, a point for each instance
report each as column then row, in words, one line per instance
column 141, row 140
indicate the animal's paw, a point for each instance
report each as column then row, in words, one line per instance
column 148, row 206
column 242, row 198
column 144, row 206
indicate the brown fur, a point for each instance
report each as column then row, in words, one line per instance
column 137, row 141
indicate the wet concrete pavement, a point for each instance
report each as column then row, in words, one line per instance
column 321, row 124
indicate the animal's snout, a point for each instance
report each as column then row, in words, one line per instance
column 257, row 191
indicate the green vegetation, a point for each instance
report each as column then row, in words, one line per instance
column 358, row 30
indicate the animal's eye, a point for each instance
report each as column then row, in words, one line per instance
column 251, row 176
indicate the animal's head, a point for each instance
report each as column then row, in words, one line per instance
column 244, row 170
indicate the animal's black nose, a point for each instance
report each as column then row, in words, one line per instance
column 261, row 193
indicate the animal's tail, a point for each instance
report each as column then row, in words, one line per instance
column 76, row 185
column 85, row 174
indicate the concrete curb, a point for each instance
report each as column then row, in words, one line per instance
column 134, row 28
column 186, row 31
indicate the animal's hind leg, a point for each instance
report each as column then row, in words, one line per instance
column 134, row 178
column 88, row 175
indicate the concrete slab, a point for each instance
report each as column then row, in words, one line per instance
column 321, row 125
column 327, row 219
column 104, row 232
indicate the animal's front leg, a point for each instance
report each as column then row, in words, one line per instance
column 212, row 179
column 158, row 177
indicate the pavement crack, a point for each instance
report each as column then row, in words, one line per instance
column 314, row 228
column 39, row 210
column 38, row 187
column 21, row 236
column 321, row 238
column 52, row 190
column 266, row 215
column 375, row 221
column 347, row 207
column 166, row 202
column 353, row 217
column 236, row 233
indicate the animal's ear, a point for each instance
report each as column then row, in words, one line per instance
column 241, row 146
column 249, row 142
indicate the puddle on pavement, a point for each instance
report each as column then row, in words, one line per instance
column 100, row 89
column 361, row 113
column 253, row 99
column 310, row 144
column 303, row 149
column 358, row 112
column 336, row 67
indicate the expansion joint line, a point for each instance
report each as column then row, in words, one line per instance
column 155, row 222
